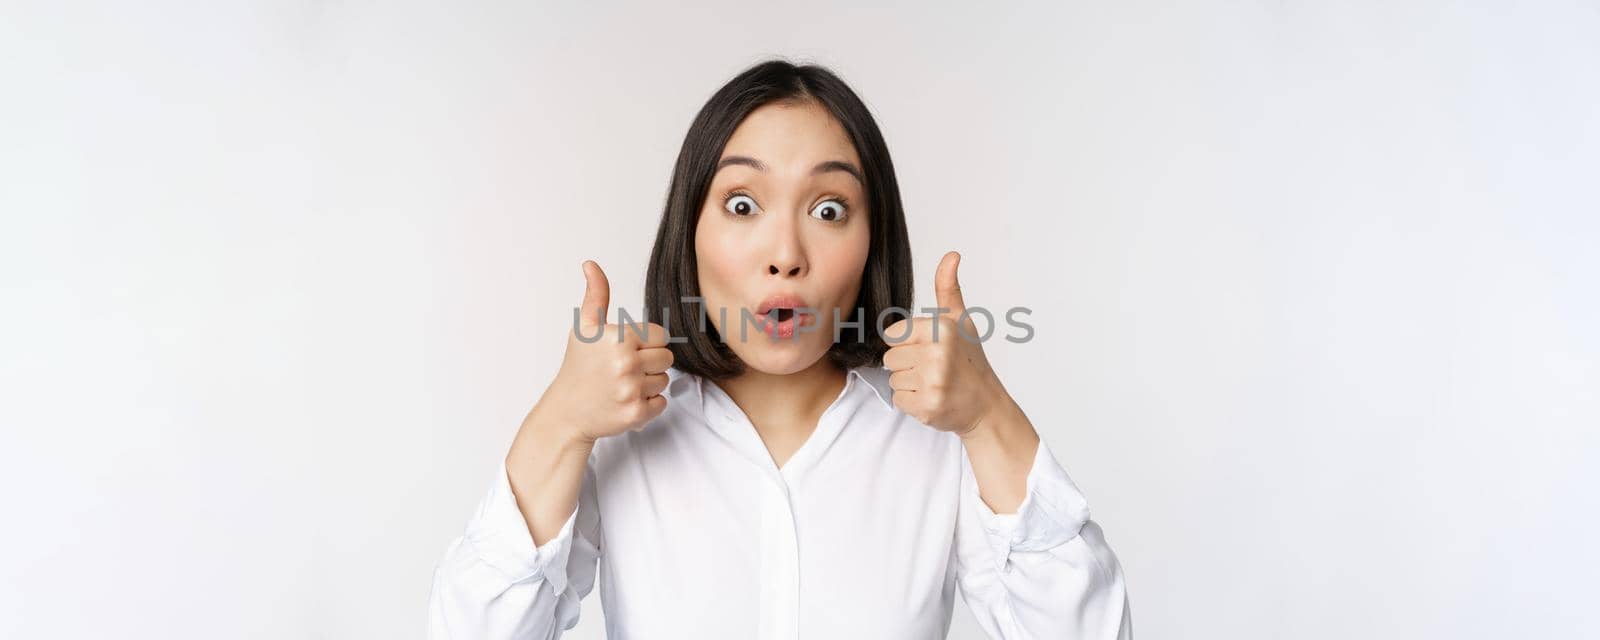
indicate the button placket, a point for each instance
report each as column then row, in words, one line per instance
column 780, row 565
column 779, row 617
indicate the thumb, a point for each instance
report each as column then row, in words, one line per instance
column 596, row 294
column 946, row 287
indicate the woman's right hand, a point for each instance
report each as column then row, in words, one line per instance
column 611, row 378
column 610, row 382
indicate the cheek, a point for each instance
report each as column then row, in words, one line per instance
column 719, row 259
column 850, row 259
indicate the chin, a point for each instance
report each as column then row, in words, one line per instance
column 781, row 358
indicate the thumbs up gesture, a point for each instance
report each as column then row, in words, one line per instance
column 940, row 375
column 611, row 378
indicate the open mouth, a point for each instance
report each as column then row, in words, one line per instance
column 781, row 314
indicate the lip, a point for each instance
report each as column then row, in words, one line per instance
column 784, row 328
column 781, row 300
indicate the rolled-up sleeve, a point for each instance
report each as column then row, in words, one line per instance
column 494, row 582
column 1044, row 571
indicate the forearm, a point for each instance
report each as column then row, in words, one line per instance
column 545, row 467
column 1040, row 570
column 1001, row 449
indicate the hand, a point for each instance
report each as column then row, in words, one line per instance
column 606, row 386
column 945, row 383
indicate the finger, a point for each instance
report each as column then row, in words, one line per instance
column 907, row 380
column 653, row 406
column 655, row 336
column 909, row 331
column 899, row 332
column 643, row 335
column 903, row 357
column 947, row 287
column 596, row 295
column 654, row 383
column 907, row 402
column 640, row 334
column 927, row 330
column 655, row 359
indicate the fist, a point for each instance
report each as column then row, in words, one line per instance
column 611, row 376
column 940, row 375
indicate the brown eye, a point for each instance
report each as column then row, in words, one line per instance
column 740, row 205
column 829, row 210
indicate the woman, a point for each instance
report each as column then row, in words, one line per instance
column 742, row 466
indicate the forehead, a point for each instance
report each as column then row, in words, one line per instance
column 791, row 135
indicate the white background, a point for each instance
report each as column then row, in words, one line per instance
column 1314, row 288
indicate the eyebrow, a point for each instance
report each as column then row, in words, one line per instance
column 821, row 168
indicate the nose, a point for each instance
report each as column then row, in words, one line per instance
column 786, row 268
column 788, row 257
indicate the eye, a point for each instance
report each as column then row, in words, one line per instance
column 739, row 204
column 831, row 210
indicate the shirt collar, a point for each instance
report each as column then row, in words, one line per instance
column 877, row 378
column 682, row 384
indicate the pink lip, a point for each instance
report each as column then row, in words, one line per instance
column 784, row 328
column 781, row 300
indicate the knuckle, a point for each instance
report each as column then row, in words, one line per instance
column 619, row 334
column 625, row 363
column 635, row 411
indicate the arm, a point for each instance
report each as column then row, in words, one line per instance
column 1037, row 567
column 1044, row 570
column 529, row 553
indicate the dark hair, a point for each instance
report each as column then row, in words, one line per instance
column 886, row 281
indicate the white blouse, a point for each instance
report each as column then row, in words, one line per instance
column 865, row 532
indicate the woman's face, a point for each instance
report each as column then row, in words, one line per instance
column 784, row 224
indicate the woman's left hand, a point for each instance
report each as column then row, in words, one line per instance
column 941, row 375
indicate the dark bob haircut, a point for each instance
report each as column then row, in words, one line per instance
column 673, row 281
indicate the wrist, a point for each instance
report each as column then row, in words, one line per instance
column 1004, row 432
column 1000, row 415
column 1001, row 448
column 553, row 425
column 541, row 449
column 552, row 435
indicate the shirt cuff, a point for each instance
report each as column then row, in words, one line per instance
column 1051, row 514
column 499, row 533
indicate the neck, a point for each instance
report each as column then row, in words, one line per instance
column 786, row 404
